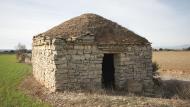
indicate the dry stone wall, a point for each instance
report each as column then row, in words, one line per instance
column 134, row 64
column 78, row 66
column 60, row 64
column 43, row 63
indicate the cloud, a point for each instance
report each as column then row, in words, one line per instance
column 156, row 20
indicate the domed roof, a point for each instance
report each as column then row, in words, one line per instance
column 104, row 30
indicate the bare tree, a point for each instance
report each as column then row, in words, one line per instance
column 20, row 50
column 20, row 47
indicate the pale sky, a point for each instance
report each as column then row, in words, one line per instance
column 162, row 22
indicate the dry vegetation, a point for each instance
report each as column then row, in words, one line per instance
column 173, row 63
column 96, row 99
column 175, row 72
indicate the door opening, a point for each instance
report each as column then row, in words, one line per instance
column 108, row 80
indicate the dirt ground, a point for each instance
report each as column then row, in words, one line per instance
column 96, row 98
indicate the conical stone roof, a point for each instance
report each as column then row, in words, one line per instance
column 104, row 30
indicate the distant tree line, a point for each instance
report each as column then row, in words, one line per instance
column 167, row 49
column 187, row 49
column 8, row 51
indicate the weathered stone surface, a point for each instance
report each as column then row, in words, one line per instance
column 134, row 86
column 76, row 66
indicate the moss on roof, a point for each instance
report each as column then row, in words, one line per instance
column 104, row 30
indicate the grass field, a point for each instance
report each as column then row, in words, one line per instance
column 11, row 74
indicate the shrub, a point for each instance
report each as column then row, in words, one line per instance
column 155, row 67
column 176, row 89
column 161, row 49
column 187, row 49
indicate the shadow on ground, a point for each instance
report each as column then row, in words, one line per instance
column 174, row 89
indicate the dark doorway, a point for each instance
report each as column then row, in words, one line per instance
column 108, row 80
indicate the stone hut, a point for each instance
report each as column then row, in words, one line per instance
column 91, row 52
column 27, row 59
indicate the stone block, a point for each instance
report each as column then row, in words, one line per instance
column 87, row 56
column 78, row 47
column 80, row 52
column 77, row 57
column 87, row 51
column 134, row 86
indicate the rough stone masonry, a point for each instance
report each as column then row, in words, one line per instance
column 70, row 56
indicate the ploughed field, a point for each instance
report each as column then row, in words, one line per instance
column 173, row 63
column 11, row 75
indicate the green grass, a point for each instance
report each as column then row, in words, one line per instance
column 11, row 74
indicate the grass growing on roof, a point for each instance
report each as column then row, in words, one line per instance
column 11, row 74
